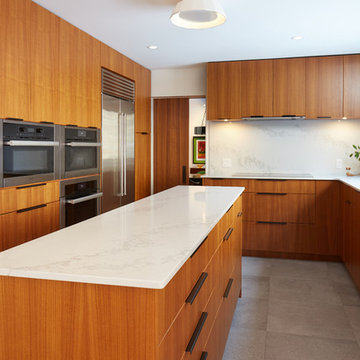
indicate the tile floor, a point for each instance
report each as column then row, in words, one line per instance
column 295, row 310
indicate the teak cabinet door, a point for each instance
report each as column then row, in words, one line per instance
column 142, row 165
column 80, row 77
column 143, row 100
column 324, row 87
column 15, row 59
column 257, row 88
column 289, row 87
column 224, row 90
column 44, row 57
column 352, row 86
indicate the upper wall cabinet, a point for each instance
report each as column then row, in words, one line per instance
column 80, row 78
column 324, row 87
column 289, row 87
column 224, row 90
column 257, row 88
column 352, row 86
column 143, row 100
column 44, row 59
column 14, row 59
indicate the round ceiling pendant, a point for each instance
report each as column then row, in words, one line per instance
column 198, row 14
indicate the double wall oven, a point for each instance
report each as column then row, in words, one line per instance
column 29, row 152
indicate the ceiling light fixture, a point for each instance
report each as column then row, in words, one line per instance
column 198, row 14
column 297, row 37
column 152, row 47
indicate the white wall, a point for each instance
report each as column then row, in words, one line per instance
column 184, row 81
column 298, row 147
column 196, row 112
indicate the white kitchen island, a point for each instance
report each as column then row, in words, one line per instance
column 116, row 286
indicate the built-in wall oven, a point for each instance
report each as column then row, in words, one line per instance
column 80, row 151
column 79, row 199
column 29, row 152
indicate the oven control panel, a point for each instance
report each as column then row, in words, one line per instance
column 15, row 131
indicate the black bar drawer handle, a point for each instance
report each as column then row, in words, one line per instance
column 324, row 117
column 239, row 214
column 266, row 193
column 348, row 202
column 228, row 233
column 184, row 174
column 31, row 208
column 196, row 333
column 190, row 299
column 272, row 222
column 204, row 355
column 29, row 186
column 228, row 288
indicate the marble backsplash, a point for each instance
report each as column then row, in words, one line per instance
column 285, row 146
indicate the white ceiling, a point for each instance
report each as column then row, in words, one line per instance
column 254, row 29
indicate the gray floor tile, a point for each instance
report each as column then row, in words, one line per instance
column 300, row 269
column 255, row 287
column 251, row 314
column 337, row 272
column 357, row 336
column 294, row 347
column 303, row 291
column 347, row 292
column 323, row 321
column 245, row 344
column 256, row 266
column 353, row 313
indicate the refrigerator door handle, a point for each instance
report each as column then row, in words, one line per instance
column 124, row 153
column 120, row 156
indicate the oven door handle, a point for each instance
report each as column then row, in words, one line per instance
column 31, row 143
column 84, row 198
column 83, row 144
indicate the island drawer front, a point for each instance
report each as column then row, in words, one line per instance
column 25, row 196
column 282, row 207
column 287, row 238
column 19, row 227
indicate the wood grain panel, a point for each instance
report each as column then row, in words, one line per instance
column 289, row 87
column 44, row 61
column 15, row 58
column 143, row 99
column 257, row 88
column 283, row 186
column 324, row 87
column 80, row 78
column 224, row 90
column 19, row 227
column 142, row 165
column 352, row 86
column 171, row 142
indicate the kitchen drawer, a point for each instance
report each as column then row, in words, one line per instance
column 282, row 186
column 289, row 238
column 280, row 207
column 226, row 182
column 19, row 227
column 25, row 196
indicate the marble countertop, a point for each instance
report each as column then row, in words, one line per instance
column 142, row 244
column 352, row 181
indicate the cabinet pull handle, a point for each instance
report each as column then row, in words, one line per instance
column 348, row 202
column 288, row 115
column 228, row 288
column 142, row 132
column 239, row 214
column 204, row 355
column 230, row 208
column 268, row 193
column 196, row 333
column 272, row 222
column 217, row 178
column 228, row 233
column 198, row 247
column 194, row 292
column 29, row 186
column 31, row 208
column 324, row 117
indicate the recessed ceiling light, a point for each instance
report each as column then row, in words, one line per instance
column 152, row 47
column 297, row 37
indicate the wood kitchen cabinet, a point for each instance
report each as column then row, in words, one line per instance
column 257, row 83
column 80, row 78
column 44, row 65
column 15, row 59
column 352, row 86
column 143, row 100
column 289, row 87
column 142, row 165
column 224, row 90
column 324, row 87
column 27, row 224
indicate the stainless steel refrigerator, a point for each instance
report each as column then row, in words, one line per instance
column 118, row 153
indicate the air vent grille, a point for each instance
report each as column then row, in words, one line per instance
column 116, row 85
